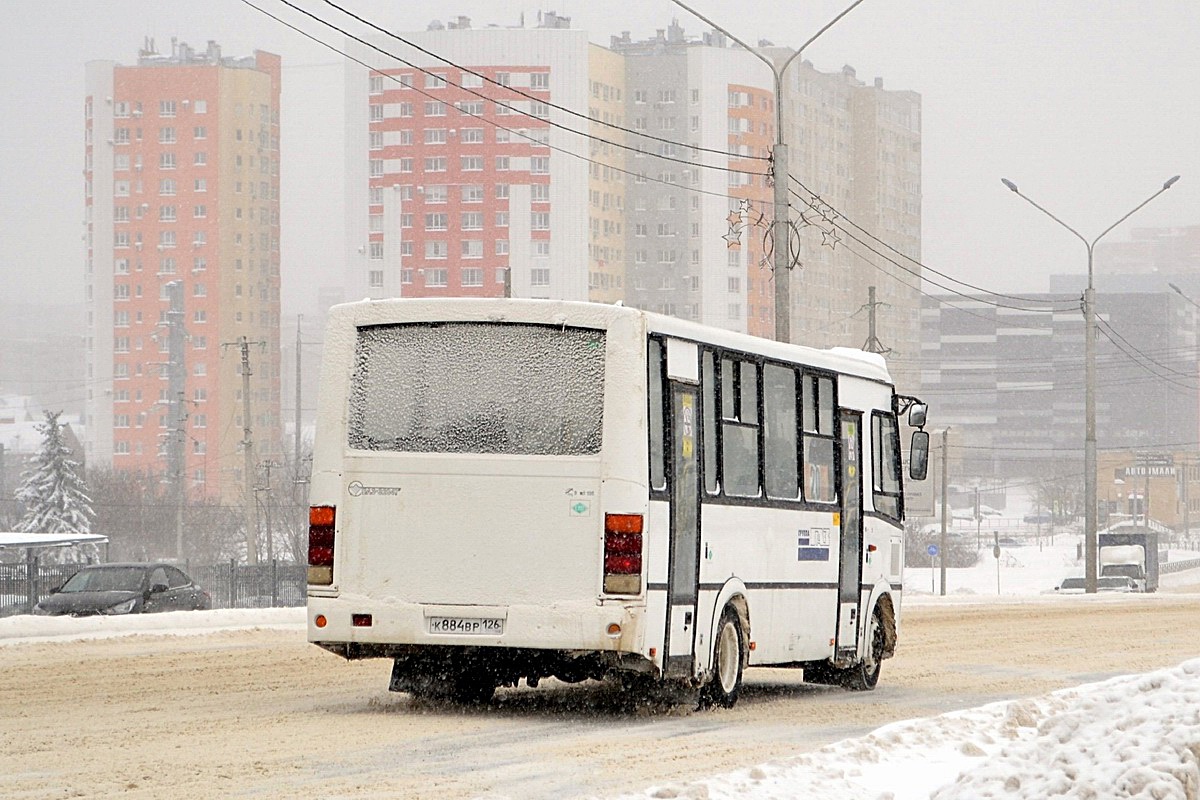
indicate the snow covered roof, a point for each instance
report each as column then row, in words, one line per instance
column 14, row 539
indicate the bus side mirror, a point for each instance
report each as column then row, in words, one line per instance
column 918, row 456
column 916, row 415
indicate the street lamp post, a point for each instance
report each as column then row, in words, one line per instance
column 779, row 160
column 1089, row 318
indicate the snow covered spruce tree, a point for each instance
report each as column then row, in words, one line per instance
column 54, row 496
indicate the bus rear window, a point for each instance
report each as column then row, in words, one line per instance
column 478, row 388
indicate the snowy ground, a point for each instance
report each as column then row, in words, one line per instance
column 1136, row 736
column 1132, row 736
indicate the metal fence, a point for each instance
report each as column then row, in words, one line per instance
column 231, row 585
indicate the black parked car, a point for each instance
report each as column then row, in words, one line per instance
column 125, row 589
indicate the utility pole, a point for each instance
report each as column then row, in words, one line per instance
column 873, row 345
column 296, row 438
column 1187, row 527
column 945, row 506
column 176, row 408
column 250, row 512
column 267, row 467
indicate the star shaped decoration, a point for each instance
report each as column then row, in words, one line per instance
column 733, row 240
column 829, row 237
column 734, row 218
column 745, row 206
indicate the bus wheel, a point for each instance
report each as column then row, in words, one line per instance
column 728, row 656
column 864, row 676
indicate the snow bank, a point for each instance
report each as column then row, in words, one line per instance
column 1130, row 737
column 27, row 629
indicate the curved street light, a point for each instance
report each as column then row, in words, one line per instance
column 779, row 160
column 1089, row 317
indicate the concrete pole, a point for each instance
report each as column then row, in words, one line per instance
column 945, row 506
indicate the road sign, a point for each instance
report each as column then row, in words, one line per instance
column 932, row 550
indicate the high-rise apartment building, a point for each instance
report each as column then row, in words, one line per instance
column 855, row 153
column 466, row 176
column 182, row 229
column 710, row 109
column 640, row 172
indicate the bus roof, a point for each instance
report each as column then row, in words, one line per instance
column 845, row 360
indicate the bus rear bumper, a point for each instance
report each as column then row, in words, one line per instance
column 373, row 629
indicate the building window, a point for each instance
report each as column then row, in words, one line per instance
column 437, row 250
column 539, row 80
column 501, row 191
column 539, row 220
column 375, row 278
column 539, row 276
column 471, row 163
column 166, row 108
column 471, row 135
column 472, row 220
column 539, row 109
column 200, row 132
column 435, row 164
column 539, row 193
column 199, row 316
column 376, row 251
column 541, row 248
column 539, row 165
column 166, row 238
column 200, row 185
column 472, row 248
column 435, row 108
column 472, row 193
column 166, row 213
column 435, row 136
column 501, row 247
column 376, row 140
column 166, row 135
column 437, row 222
column 501, row 219
column 120, row 188
column 437, row 193
column 376, row 112
column 472, row 276
column 376, row 167
column 437, row 277
column 435, row 80
column 376, row 84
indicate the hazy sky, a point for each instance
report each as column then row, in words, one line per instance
column 1087, row 106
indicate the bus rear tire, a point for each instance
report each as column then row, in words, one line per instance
column 864, row 675
column 728, row 659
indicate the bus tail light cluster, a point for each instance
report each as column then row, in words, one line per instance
column 622, row 553
column 320, row 545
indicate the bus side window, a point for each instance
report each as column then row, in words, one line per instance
column 657, row 410
column 739, row 427
column 782, row 477
column 885, row 464
column 708, row 388
column 819, row 477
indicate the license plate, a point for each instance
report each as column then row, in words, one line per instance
column 472, row 626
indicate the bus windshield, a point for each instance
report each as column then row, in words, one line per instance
column 478, row 388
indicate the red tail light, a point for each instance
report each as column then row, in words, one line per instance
column 321, row 521
column 623, row 553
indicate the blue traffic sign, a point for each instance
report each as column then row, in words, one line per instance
column 932, row 550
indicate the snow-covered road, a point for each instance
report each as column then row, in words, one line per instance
column 252, row 710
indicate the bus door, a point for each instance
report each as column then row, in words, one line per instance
column 683, row 569
column 850, row 569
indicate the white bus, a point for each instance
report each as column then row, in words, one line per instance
column 508, row 489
